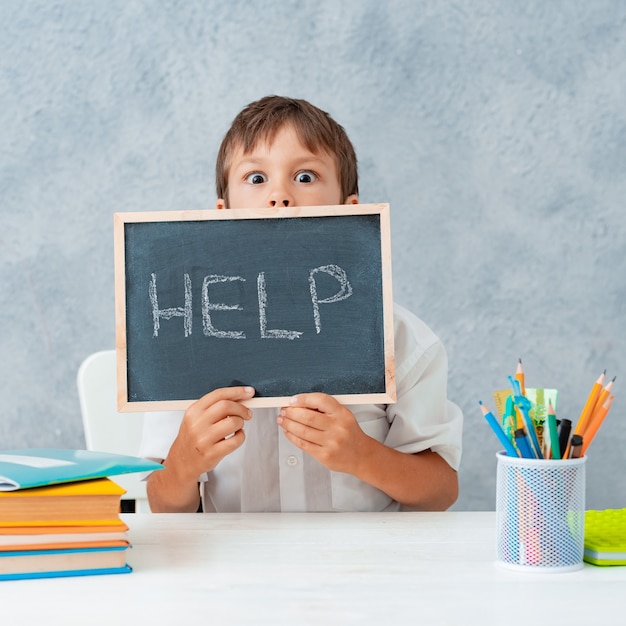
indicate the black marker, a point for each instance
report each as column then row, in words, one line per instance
column 576, row 447
column 565, row 427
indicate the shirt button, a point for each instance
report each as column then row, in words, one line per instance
column 292, row 460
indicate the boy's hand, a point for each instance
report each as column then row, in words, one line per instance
column 319, row 425
column 212, row 427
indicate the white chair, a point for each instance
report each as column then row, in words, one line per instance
column 105, row 429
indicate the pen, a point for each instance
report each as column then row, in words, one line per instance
column 517, row 392
column 510, row 416
column 555, row 450
column 515, row 385
column 523, row 404
column 576, row 445
column 497, row 429
column 522, row 444
column 565, row 428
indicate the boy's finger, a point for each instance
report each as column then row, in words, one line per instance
column 318, row 401
column 236, row 394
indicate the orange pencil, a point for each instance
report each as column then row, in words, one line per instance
column 604, row 394
column 587, row 412
column 598, row 418
column 519, row 375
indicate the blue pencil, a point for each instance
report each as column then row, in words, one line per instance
column 495, row 426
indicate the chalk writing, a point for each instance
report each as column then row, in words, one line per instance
column 345, row 292
column 184, row 311
column 208, row 306
column 336, row 272
column 270, row 334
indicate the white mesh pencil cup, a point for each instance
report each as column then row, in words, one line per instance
column 540, row 513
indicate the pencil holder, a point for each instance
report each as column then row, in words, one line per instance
column 540, row 513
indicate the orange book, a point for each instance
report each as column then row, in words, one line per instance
column 111, row 527
column 20, row 537
column 62, row 544
column 82, row 502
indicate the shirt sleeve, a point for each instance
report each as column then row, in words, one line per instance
column 159, row 431
column 422, row 417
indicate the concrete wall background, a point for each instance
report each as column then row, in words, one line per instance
column 496, row 131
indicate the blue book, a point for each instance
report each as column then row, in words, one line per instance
column 38, row 467
column 126, row 569
column 63, row 562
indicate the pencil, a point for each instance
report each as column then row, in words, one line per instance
column 555, row 450
column 602, row 398
column 519, row 375
column 598, row 418
column 520, row 378
column 587, row 411
column 497, row 429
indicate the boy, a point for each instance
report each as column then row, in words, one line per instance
column 314, row 454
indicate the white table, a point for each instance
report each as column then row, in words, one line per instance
column 317, row 568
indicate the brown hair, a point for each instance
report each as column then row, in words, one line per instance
column 316, row 129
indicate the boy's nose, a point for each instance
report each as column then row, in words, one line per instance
column 280, row 196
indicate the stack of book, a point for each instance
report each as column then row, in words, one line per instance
column 60, row 513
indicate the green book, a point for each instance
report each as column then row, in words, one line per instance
column 37, row 467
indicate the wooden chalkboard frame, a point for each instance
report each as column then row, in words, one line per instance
column 121, row 220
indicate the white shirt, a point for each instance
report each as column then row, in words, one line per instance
column 269, row 473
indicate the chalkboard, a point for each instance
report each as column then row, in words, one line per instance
column 286, row 300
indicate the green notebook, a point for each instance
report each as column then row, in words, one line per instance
column 37, row 467
column 605, row 537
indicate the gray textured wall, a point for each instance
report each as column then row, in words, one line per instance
column 496, row 131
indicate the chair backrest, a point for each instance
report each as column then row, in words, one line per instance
column 106, row 429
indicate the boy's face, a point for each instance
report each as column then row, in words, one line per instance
column 283, row 173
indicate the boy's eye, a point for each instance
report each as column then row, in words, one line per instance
column 255, row 178
column 306, row 177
